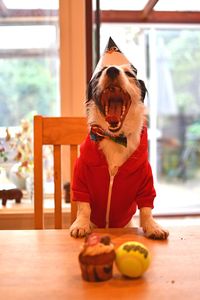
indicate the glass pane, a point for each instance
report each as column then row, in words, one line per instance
column 29, row 59
column 178, row 118
column 122, row 5
column 167, row 59
column 29, row 85
column 28, row 37
column 177, row 5
column 31, row 4
column 32, row 89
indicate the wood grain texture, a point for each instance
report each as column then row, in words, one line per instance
column 57, row 187
column 38, row 173
column 43, row 264
column 56, row 131
column 170, row 17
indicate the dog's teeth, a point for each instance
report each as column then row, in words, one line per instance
column 112, row 89
column 123, row 111
column 106, row 110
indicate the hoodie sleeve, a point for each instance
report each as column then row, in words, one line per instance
column 79, row 183
column 146, row 193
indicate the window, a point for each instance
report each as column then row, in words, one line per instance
column 167, row 59
column 29, row 82
column 28, row 70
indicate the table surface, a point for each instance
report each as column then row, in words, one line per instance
column 43, row 264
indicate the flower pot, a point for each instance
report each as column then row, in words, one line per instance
column 15, row 177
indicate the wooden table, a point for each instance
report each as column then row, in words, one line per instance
column 44, row 264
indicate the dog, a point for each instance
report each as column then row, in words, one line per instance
column 114, row 158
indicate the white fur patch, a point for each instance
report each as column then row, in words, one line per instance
column 117, row 154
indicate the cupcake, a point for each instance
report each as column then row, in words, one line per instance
column 96, row 258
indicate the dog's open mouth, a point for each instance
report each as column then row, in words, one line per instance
column 116, row 103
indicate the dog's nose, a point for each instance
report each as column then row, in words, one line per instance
column 112, row 72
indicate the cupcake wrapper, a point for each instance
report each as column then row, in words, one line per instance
column 96, row 273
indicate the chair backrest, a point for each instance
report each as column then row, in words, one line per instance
column 55, row 131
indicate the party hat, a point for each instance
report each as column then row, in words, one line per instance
column 112, row 56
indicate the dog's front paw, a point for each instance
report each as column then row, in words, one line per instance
column 80, row 228
column 154, row 231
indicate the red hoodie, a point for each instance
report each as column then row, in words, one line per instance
column 132, row 185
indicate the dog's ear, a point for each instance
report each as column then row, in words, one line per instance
column 143, row 89
column 91, row 89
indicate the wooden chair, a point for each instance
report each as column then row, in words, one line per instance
column 55, row 131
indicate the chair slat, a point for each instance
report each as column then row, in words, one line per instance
column 57, row 187
column 38, row 174
column 56, row 131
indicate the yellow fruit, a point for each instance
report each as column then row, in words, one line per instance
column 132, row 259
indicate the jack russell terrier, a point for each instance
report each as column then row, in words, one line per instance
column 112, row 175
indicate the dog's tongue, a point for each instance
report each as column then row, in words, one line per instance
column 112, row 119
column 114, row 113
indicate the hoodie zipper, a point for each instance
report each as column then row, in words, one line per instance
column 109, row 200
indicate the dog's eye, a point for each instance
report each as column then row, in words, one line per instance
column 99, row 73
column 129, row 74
